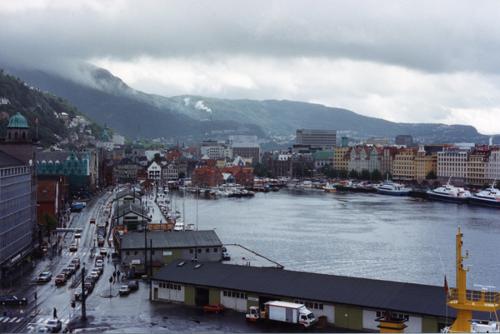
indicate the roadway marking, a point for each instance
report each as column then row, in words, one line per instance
column 2, row 319
column 18, row 320
column 5, row 320
column 13, row 319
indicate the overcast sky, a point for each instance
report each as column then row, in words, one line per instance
column 408, row 61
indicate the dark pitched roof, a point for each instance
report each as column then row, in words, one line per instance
column 126, row 208
column 181, row 239
column 369, row 293
column 128, row 192
column 7, row 160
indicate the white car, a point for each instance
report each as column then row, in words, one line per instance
column 78, row 235
column 94, row 274
column 124, row 290
column 53, row 325
column 103, row 251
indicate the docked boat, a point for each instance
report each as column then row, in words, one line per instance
column 329, row 188
column 393, row 189
column 449, row 193
column 487, row 197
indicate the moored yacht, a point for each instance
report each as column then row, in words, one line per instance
column 449, row 193
column 394, row 189
column 487, row 197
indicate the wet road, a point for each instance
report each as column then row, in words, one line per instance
column 362, row 235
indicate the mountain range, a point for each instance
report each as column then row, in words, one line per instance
column 108, row 100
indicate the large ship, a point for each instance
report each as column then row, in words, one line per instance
column 449, row 193
column 487, row 197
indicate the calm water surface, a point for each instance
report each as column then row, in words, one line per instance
column 363, row 235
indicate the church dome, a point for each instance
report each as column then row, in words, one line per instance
column 18, row 121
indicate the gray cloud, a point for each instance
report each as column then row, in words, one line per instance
column 442, row 36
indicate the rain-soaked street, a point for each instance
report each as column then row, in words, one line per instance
column 366, row 235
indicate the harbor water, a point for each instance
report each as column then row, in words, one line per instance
column 352, row 234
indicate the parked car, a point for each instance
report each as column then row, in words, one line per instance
column 99, row 263
column 60, row 279
column 73, row 247
column 44, row 277
column 76, row 262
column 124, row 290
column 72, row 267
column 95, row 273
column 12, row 300
column 78, row 235
column 54, row 325
column 133, row 285
column 226, row 256
column 99, row 257
column 103, row 251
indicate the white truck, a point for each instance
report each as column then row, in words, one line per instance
column 284, row 312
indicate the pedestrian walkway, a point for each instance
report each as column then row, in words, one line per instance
column 5, row 320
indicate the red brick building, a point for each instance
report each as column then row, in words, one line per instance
column 211, row 176
column 52, row 196
column 242, row 175
column 207, row 176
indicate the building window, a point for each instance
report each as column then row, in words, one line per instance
column 191, row 251
column 199, row 250
column 135, row 252
column 207, row 250
column 215, row 250
column 127, row 253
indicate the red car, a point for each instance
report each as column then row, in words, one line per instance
column 213, row 308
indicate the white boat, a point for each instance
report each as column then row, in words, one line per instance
column 329, row 188
column 393, row 189
column 449, row 193
column 487, row 197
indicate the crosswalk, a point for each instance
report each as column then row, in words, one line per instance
column 5, row 320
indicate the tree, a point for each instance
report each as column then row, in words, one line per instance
column 365, row 174
column 50, row 224
column 431, row 175
column 260, row 170
column 328, row 171
column 376, row 175
column 354, row 174
column 343, row 173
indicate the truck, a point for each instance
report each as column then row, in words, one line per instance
column 291, row 313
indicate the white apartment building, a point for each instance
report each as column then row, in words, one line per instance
column 452, row 162
column 492, row 169
column 215, row 150
column 154, row 171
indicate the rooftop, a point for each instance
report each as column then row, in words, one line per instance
column 18, row 121
column 370, row 293
column 181, row 239
column 7, row 160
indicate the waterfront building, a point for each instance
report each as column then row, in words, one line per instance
column 403, row 165
column 279, row 164
column 386, row 156
column 168, row 247
column 323, row 158
column 17, row 215
column 363, row 158
column 170, row 172
column 324, row 139
column 154, row 171
column 130, row 216
column 425, row 163
column 341, row 158
column 476, row 166
column 452, row 162
column 206, row 176
column 492, row 169
column 346, row 302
